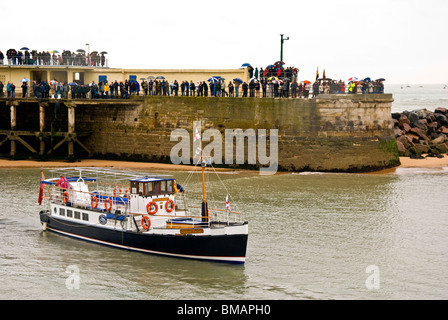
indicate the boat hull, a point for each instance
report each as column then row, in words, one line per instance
column 229, row 248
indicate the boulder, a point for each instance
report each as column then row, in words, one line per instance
column 401, row 149
column 443, row 130
column 441, row 110
column 420, row 133
column 440, row 139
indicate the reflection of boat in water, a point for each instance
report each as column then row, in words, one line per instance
column 144, row 213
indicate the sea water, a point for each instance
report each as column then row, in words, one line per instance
column 311, row 236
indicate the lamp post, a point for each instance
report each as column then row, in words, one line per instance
column 88, row 53
column 281, row 46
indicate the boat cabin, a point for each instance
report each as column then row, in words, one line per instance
column 151, row 195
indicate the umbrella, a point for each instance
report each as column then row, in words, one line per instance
column 352, row 79
column 253, row 79
column 103, row 52
column 24, row 80
column 54, row 51
column 81, row 50
column 213, row 79
column 306, row 82
column 380, row 79
column 270, row 66
column 150, row 77
column 367, row 79
column 94, row 52
column 160, row 77
column 238, row 80
column 279, row 62
column 72, row 84
column 53, row 81
column 272, row 78
column 24, row 48
column 246, row 65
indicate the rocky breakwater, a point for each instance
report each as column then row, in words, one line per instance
column 421, row 132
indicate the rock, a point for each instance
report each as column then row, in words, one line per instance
column 441, row 110
column 420, row 133
column 401, row 149
column 443, row 130
column 398, row 132
column 413, row 117
column 405, row 126
column 421, row 148
column 413, row 137
column 442, row 119
column 439, row 139
column 405, row 141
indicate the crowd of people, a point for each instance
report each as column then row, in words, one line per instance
column 257, row 88
column 53, row 58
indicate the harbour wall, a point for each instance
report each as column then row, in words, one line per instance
column 331, row 133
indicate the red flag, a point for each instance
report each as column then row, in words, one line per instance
column 317, row 73
column 41, row 190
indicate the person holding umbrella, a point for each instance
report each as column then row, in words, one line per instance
column 24, row 89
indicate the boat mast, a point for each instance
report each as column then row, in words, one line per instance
column 204, row 199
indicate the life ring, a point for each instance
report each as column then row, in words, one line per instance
column 148, row 208
column 169, row 205
column 106, row 202
column 94, row 202
column 115, row 191
column 65, row 197
column 146, row 223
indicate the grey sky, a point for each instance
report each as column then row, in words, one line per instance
column 402, row 41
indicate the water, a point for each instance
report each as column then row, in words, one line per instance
column 417, row 96
column 311, row 236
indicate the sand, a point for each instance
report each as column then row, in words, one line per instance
column 428, row 162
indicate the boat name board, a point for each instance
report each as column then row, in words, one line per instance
column 191, row 231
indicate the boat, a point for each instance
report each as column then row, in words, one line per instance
column 148, row 213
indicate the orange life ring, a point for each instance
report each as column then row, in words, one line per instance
column 65, row 197
column 108, row 201
column 115, row 191
column 148, row 208
column 169, row 205
column 146, row 223
column 94, row 202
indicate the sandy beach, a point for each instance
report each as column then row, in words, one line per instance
column 429, row 162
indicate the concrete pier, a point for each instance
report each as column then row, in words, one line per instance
column 338, row 133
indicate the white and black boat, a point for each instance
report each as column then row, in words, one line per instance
column 140, row 212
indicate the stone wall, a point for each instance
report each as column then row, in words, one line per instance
column 338, row 133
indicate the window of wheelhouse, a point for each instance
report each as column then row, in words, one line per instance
column 134, row 187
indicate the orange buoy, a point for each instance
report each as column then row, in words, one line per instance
column 169, row 205
column 146, row 223
column 152, row 208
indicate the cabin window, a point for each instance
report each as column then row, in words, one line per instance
column 70, row 213
column 134, row 187
column 77, row 215
column 162, row 186
column 62, row 212
column 170, row 184
column 85, row 216
column 149, row 188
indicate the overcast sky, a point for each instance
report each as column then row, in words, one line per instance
column 404, row 41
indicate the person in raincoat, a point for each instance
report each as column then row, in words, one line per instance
column 106, row 90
